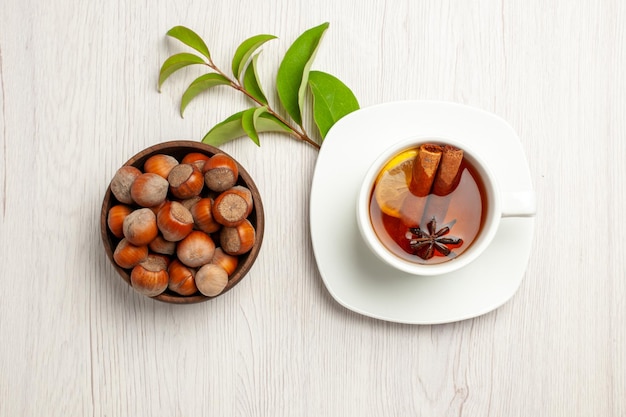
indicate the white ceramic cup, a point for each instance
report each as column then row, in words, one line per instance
column 499, row 204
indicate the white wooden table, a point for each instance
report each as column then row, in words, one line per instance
column 78, row 98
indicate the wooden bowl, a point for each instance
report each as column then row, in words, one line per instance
column 178, row 149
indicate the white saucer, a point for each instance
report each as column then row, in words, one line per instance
column 353, row 274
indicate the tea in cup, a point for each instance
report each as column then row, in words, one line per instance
column 429, row 206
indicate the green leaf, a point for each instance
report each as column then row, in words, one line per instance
column 251, row 82
column 332, row 100
column 232, row 128
column 293, row 72
column 190, row 38
column 245, row 51
column 247, row 122
column 267, row 122
column 199, row 85
column 250, row 121
column 176, row 62
column 226, row 130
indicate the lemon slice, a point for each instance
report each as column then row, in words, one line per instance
column 392, row 184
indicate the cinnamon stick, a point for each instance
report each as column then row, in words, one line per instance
column 424, row 169
column 445, row 182
column 447, row 175
column 422, row 177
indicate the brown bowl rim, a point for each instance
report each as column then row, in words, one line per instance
column 257, row 218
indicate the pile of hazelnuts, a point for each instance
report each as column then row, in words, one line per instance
column 181, row 225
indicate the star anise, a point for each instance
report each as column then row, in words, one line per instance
column 426, row 242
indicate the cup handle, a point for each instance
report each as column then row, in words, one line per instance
column 519, row 204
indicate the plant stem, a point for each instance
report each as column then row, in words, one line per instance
column 298, row 132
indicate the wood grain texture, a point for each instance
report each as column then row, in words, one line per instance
column 78, row 97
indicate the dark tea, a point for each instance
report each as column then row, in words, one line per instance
column 428, row 204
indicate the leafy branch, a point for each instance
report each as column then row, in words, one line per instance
column 332, row 99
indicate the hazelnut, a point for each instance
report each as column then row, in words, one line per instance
column 150, row 276
column 189, row 202
column 160, row 164
column 196, row 249
column 115, row 219
column 140, row 227
column 211, row 280
column 185, row 181
column 202, row 213
column 232, row 206
column 149, row 190
column 239, row 239
column 182, row 279
column 245, row 193
column 162, row 246
column 168, row 224
column 174, row 221
column 122, row 182
column 164, row 258
column 220, row 172
column 196, row 158
column 127, row 255
column 226, row 261
column 155, row 209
